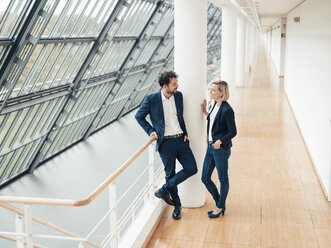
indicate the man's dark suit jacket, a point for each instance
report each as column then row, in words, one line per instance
column 224, row 126
column 152, row 105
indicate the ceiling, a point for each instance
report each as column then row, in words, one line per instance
column 270, row 11
column 263, row 13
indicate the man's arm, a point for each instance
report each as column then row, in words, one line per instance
column 140, row 116
column 184, row 126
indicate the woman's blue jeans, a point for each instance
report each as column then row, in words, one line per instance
column 216, row 158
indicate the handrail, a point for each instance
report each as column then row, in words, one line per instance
column 45, row 223
column 82, row 202
column 15, row 240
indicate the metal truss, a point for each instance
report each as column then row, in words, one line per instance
column 146, row 74
column 140, row 65
column 23, row 47
column 76, row 85
column 131, row 58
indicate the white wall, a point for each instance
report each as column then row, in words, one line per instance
column 275, row 46
column 283, row 23
column 308, row 80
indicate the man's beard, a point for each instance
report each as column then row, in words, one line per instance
column 171, row 92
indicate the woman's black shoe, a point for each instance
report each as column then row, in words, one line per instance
column 213, row 216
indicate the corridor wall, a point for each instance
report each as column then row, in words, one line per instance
column 307, row 80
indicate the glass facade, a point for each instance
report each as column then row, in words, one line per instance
column 71, row 67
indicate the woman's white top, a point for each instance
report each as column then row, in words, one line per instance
column 211, row 121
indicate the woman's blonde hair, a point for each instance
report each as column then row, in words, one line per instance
column 223, row 87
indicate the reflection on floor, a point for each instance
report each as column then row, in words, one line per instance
column 275, row 199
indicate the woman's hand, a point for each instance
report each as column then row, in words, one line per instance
column 217, row 144
column 204, row 107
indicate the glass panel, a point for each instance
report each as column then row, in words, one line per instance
column 152, row 77
column 11, row 13
column 100, row 17
column 6, row 128
column 12, row 162
column 114, row 57
column 58, row 138
column 89, row 102
column 164, row 53
column 165, row 22
column 79, row 18
column 136, row 18
column 214, row 36
column 23, row 159
column 68, row 135
column 3, row 53
column 128, row 86
column 4, row 165
column 139, row 98
column 51, row 65
column 112, row 112
column 147, row 52
column 56, row 64
column 18, row 130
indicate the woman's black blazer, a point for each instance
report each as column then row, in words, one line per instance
column 224, row 126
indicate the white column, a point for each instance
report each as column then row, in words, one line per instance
column 247, row 47
column 268, row 42
column 190, row 64
column 240, row 55
column 252, row 46
column 228, row 50
column 256, row 39
column 329, row 193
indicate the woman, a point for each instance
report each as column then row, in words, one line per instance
column 221, row 128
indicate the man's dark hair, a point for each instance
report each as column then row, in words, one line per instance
column 164, row 77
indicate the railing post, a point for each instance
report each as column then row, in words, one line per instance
column 19, row 229
column 28, row 225
column 151, row 161
column 113, row 215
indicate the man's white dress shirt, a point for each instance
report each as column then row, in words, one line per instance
column 171, row 122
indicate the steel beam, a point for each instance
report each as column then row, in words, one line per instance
column 133, row 94
column 13, row 61
column 75, row 86
column 126, row 60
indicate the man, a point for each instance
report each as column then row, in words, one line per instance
column 165, row 109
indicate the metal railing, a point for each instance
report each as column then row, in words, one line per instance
column 24, row 235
